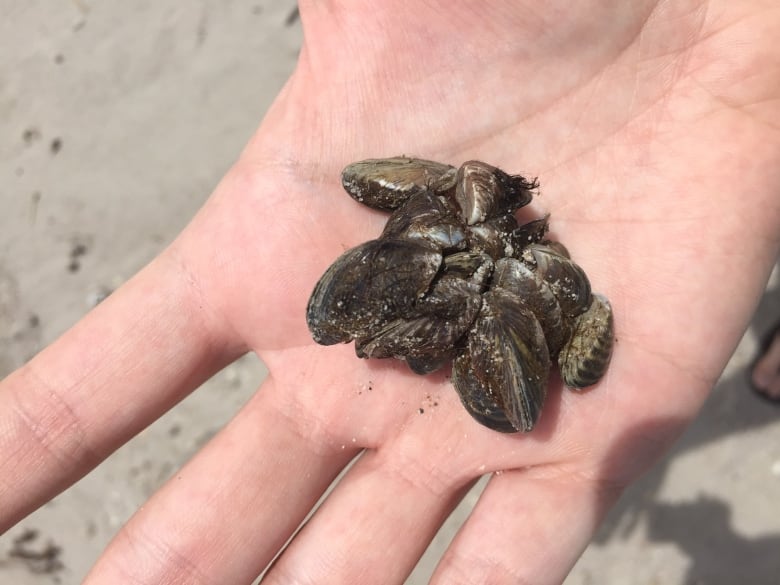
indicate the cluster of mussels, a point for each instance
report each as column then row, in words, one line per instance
column 454, row 277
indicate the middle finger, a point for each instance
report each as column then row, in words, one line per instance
column 378, row 521
column 224, row 516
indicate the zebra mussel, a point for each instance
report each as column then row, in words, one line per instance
column 453, row 277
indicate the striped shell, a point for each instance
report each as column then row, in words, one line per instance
column 453, row 277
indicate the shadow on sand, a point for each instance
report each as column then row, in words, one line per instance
column 702, row 528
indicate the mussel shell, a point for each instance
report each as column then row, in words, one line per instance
column 557, row 247
column 431, row 329
column 585, row 357
column 387, row 183
column 453, row 277
column 483, row 191
column 567, row 280
column 478, row 400
column 493, row 236
column 535, row 294
column 368, row 286
column 507, row 363
column 428, row 364
column 474, row 267
column 532, row 232
column 429, row 218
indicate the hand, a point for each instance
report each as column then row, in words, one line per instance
column 650, row 126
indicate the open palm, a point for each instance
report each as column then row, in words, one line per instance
column 650, row 127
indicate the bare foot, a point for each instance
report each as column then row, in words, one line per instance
column 766, row 371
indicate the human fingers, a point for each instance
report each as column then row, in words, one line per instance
column 526, row 529
column 230, row 510
column 387, row 508
column 122, row 366
column 384, row 512
column 532, row 522
column 224, row 516
column 375, row 525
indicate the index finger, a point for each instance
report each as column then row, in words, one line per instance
column 134, row 356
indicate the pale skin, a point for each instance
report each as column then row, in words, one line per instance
column 652, row 127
